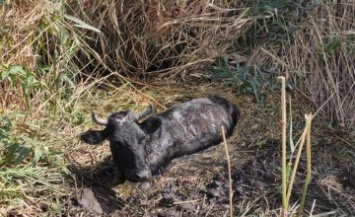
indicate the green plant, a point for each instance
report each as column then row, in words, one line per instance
column 27, row 165
column 245, row 79
column 16, row 75
column 276, row 19
column 287, row 180
column 332, row 46
column 16, row 148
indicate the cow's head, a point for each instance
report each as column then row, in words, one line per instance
column 126, row 141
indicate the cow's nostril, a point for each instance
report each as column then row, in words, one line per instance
column 143, row 175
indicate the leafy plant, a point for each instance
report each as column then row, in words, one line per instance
column 15, row 149
column 277, row 19
column 26, row 165
column 245, row 79
column 16, row 76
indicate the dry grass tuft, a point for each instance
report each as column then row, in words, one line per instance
column 316, row 53
column 142, row 38
column 328, row 53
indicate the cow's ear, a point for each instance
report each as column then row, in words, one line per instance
column 93, row 137
column 151, row 125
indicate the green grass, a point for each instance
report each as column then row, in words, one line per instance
column 30, row 170
column 244, row 79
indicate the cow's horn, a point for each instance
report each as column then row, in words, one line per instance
column 145, row 113
column 98, row 120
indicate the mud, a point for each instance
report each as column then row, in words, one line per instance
column 255, row 183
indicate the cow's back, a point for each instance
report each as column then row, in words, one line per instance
column 190, row 127
column 197, row 117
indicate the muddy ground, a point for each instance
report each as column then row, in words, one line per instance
column 197, row 185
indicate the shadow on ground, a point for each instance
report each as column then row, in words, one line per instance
column 93, row 189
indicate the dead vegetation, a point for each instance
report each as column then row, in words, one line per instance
column 317, row 56
column 56, row 42
column 144, row 39
column 60, row 59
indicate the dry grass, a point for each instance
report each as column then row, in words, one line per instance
column 229, row 173
column 317, row 55
column 143, row 39
column 60, row 59
column 61, row 42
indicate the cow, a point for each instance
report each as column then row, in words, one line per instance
column 143, row 149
